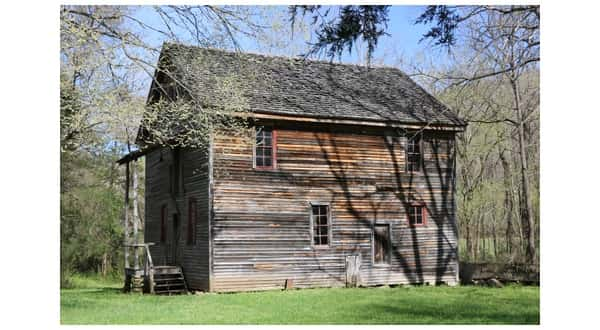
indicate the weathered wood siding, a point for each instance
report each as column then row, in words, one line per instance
column 193, row 258
column 157, row 195
column 260, row 226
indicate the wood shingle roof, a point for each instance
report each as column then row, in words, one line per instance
column 318, row 89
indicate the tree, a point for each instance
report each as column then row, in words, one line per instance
column 508, row 42
column 497, row 45
column 105, row 52
column 448, row 19
column 488, row 163
column 184, row 114
column 335, row 35
column 515, row 25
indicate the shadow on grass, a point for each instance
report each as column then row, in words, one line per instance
column 472, row 307
column 449, row 315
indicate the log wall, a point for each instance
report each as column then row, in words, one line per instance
column 261, row 229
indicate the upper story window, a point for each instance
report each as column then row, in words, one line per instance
column 320, row 224
column 265, row 148
column 417, row 215
column 413, row 152
column 176, row 172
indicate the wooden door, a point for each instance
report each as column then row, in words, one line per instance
column 353, row 271
column 381, row 244
column 176, row 232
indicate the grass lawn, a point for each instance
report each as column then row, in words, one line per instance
column 98, row 302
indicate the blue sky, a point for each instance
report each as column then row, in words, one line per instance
column 404, row 34
column 403, row 40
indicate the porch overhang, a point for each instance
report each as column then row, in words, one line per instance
column 134, row 155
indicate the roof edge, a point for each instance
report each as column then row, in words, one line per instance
column 359, row 122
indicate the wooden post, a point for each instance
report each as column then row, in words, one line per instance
column 150, row 268
column 136, row 258
column 126, row 215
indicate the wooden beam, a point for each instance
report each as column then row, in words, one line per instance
column 134, row 155
column 211, row 146
column 136, row 260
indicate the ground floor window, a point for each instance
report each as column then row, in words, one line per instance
column 320, row 224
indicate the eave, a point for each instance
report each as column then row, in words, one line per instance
column 351, row 121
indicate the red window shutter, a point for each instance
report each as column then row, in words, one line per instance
column 163, row 224
column 191, row 230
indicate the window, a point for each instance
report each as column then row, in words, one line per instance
column 413, row 152
column 417, row 215
column 191, row 226
column 265, row 148
column 320, row 224
column 163, row 224
column 381, row 244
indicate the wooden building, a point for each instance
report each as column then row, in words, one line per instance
column 349, row 180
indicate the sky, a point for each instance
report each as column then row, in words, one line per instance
column 404, row 34
column 402, row 42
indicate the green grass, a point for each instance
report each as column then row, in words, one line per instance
column 94, row 301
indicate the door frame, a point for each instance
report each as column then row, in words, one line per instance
column 175, row 239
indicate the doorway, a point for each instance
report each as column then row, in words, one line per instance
column 176, row 231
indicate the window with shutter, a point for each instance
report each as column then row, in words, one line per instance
column 191, row 227
column 163, row 224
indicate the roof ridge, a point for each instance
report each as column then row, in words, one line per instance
column 283, row 57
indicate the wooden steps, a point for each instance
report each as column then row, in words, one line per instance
column 169, row 280
column 166, row 280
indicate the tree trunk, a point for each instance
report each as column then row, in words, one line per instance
column 468, row 241
column 104, row 268
column 508, row 201
column 525, row 200
column 495, row 237
column 113, row 170
column 483, row 236
column 477, row 237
